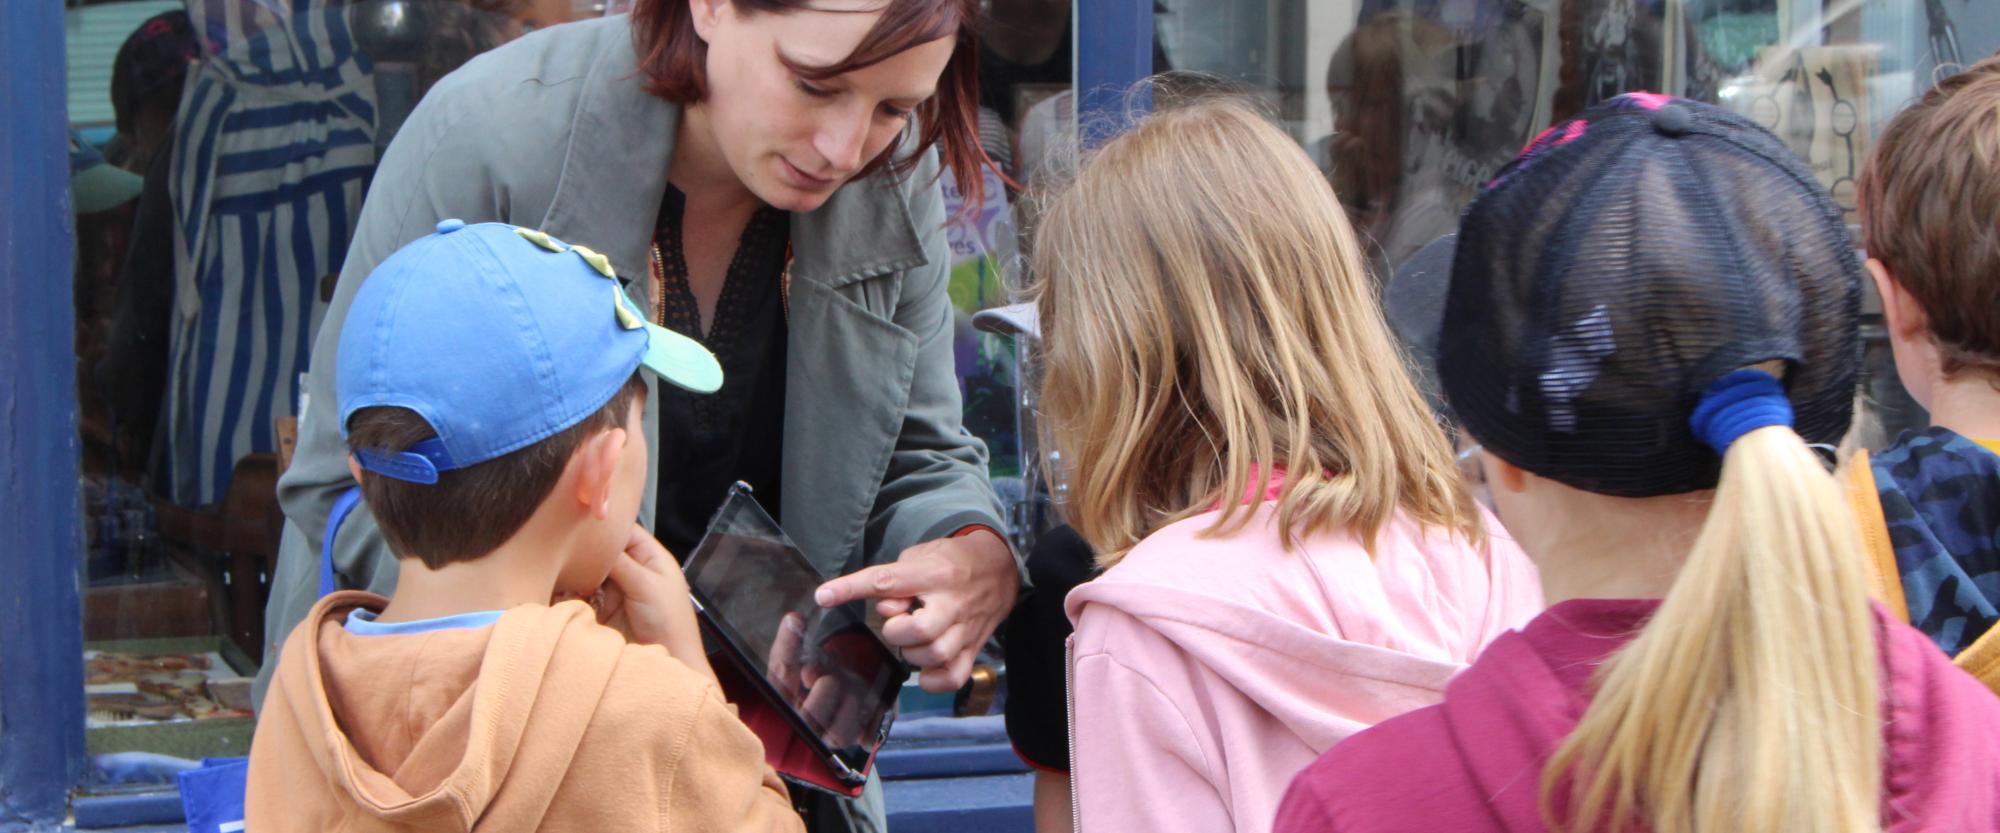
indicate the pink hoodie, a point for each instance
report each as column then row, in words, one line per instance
column 1206, row 672
column 1474, row 763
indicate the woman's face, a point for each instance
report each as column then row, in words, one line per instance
column 793, row 141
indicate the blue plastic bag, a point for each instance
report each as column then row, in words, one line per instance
column 212, row 795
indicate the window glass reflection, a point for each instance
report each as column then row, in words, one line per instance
column 1410, row 105
column 220, row 153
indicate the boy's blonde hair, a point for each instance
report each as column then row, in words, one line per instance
column 1206, row 320
column 1930, row 211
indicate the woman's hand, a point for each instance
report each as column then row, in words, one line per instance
column 646, row 598
column 966, row 586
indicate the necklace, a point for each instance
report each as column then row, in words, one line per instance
column 785, row 285
column 659, row 270
column 659, row 299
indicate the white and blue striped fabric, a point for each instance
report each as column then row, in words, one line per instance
column 273, row 148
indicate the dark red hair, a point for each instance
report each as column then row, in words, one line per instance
column 673, row 59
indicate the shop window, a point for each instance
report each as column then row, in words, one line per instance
column 1409, row 105
column 1027, row 118
column 220, row 153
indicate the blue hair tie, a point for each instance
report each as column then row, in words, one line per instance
column 1738, row 404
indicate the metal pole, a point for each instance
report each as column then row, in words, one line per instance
column 41, row 633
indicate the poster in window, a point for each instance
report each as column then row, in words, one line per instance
column 1816, row 100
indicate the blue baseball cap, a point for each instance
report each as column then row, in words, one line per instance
column 499, row 337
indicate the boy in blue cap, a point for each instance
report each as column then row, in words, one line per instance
column 489, row 392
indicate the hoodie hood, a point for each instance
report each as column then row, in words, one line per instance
column 1513, row 709
column 1474, row 763
column 1327, row 639
column 1940, row 497
column 429, row 731
column 1508, row 713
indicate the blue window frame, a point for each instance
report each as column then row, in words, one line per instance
column 1114, row 50
column 41, row 633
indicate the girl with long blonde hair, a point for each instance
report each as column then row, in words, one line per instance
column 1289, row 553
column 1651, row 314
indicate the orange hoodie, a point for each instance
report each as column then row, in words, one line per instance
column 544, row 720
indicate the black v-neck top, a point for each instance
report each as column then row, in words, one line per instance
column 709, row 441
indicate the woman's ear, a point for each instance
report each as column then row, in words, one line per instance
column 706, row 15
column 595, row 465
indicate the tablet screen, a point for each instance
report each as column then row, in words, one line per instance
column 824, row 663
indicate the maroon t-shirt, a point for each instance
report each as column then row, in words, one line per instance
column 1474, row 762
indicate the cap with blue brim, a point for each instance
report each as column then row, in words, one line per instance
column 499, row 337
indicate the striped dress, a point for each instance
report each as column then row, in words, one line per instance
column 275, row 142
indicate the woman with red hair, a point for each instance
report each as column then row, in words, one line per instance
column 764, row 176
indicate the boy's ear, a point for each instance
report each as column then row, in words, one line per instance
column 1900, row 312
column 596, row 464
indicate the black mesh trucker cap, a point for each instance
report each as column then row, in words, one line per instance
column 1627, row 259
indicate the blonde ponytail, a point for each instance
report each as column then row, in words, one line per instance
column 1750, row 700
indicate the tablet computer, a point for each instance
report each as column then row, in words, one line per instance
column 829, row 678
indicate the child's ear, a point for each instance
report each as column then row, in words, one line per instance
column 1900, row 312
column 354, row 467
column 1501, row 474
column 596, row 464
